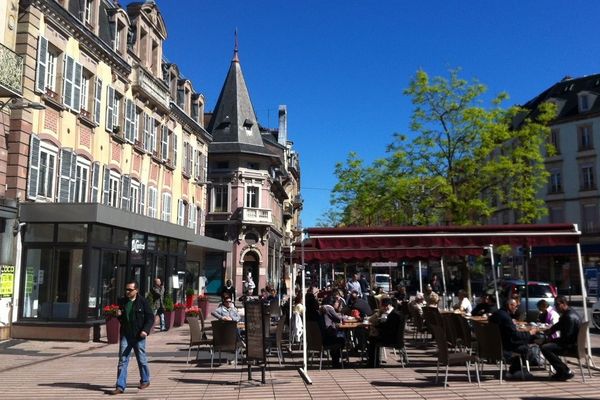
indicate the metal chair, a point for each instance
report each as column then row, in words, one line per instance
column 314, row 343
column 446, row 358
column 225, row 338
column 197, row 337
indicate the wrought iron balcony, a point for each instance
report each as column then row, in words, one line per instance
column 11, row 73
column 256, row 216
column 151, row 87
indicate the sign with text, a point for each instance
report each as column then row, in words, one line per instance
column 7, row 280
column 255, row 330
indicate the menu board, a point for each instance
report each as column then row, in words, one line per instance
column 7, row 280
column 255, row 335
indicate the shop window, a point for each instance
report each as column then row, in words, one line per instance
column 72, row 233
column 100, row 234
column 39, row 232
column 120, row 237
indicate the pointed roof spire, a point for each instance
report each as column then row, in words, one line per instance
column 235, row 48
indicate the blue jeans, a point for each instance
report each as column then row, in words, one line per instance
column 162, row 320
column 139, row 347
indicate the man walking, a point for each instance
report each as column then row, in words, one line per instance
column 136, row 319
column 568, row 326
column 158, row 295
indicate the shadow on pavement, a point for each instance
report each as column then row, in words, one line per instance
column 78, row 385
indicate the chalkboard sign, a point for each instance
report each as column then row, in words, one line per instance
column 255, row 331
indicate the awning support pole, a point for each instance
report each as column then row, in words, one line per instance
column 491, row 248
column 443, row 283
column 420, row 278
column 304, row 370
column 584, row 298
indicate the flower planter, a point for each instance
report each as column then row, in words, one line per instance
column 169, row 319
column 113, row 326
column 203, row 305
column 179, row 317
column 189, row 300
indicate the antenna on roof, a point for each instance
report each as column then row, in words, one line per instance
column 235, row 48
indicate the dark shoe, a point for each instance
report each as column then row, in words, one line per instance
column 562, row 376
column 144, row 385
column 568, row 375
column 116, row 391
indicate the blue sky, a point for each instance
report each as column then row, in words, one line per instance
column 340, row 66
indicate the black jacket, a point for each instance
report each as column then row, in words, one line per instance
column 143, row 317
column 361, row 305
column 511, row 337
column 568, row 326
column 389, row 331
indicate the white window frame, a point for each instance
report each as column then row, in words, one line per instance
column 192, row 216
column 166, row 207
column 181, row 206
column 152, row 201
column 555, row 181
column 51, row 63
column 88, row 11
column 47, row 182
column 117, row 111
column 85, row 89
column 134, row 202
column 82, row 180
column 114, row 188
column 585, row 139
column 252, row 197
column 217, row 193
column 588, row 180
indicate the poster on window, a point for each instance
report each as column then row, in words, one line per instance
column 7, row 280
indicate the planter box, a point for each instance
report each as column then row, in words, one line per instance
column 169, row 319
column 179, row 317
column 113, row 326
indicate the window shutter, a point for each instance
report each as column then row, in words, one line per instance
column 65, row 176
column 152, row 133
column 136, row 128
column 180, row 211
column 202, row 173
column 200, row 224
column 74, row 176
column 195, row 165
column 42, row 64
column 174, row 150
column 106, row 189
column 68, row 82
column 142, row 199
column 77, row 87
column 164, row 144
column 95, row 182
column 34, row 167
column 146, row 134
column 110, row 99
column 125, row 192
column 97, row 101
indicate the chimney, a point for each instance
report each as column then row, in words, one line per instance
column 282, row 135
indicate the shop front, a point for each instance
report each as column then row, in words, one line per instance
column 77, row 258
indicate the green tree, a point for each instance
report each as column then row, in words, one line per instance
column 463, row 163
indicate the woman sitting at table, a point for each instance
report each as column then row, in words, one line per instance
column 331, row 335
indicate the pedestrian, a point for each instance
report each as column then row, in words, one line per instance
column 136, row 319
column 228, row 290
column 158, row 297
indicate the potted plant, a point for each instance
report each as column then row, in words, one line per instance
column 179, row 309
column 192, row 313
column 169, row 314
column 189, row 297
column 113, row 325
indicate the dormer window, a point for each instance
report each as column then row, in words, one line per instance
column 584, row 104
column 88, row 12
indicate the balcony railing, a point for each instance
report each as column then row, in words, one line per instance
column 256, row 216
column 151, row 87
column 11, row 73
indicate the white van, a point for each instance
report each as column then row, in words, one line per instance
column 383, row 281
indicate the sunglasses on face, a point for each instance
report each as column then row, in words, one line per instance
column 129, row 289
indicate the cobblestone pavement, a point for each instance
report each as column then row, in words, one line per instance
column 36, row 369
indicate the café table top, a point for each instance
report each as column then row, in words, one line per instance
column 352, row 325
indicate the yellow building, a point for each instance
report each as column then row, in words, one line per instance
column 111, row 175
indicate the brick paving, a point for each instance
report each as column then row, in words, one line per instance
column 35, row 369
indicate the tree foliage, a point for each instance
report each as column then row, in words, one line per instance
column 463, row 163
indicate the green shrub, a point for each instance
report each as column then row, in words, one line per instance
column 168, row 303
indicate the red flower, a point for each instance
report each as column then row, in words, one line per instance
column 179, row 306
column 192, row 311
column 110, row 310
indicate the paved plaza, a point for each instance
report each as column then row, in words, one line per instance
column 35, row 369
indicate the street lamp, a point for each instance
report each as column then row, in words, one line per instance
column 20, row 104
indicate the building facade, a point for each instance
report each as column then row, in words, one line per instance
column 110, row 176
column 255, row 180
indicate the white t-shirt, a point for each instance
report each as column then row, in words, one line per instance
column 465, row 305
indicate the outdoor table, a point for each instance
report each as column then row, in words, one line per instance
column 477, row 318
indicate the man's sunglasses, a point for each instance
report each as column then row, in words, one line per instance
column 129, row 289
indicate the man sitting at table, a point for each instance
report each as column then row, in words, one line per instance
column 568, row 326
column 486, row 306
column 357, row 303
column 514, row 342
column 464, row 304
column 385, row 324
column 226, row 311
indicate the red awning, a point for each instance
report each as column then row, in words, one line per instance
column 424, row 242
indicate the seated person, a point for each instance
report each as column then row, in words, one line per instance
column 513, row 341
column 226, row 311
column 331, row 335
column 486, row 306
column 568, row 326
column 385, row 324
column 517, row 315
column 464, row 304
column 548, row 315
column 357, row 303
column 400, row 294
column 416, row 305
column 433, row 300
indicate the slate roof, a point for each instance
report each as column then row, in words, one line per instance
column 234, row 125
column 565, row 94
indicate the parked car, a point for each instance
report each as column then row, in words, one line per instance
column 596, row 315
column 383, row 281
column 536, row 291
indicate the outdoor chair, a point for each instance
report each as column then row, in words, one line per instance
column 203, row 321
column 314, row 343
column 464, row 337
column 197, row 337
column 419, row 327
column 276, row 340
column 275, row 309
column 446, row 358
column 450, row 329
column 580, row 352
column 225, row 339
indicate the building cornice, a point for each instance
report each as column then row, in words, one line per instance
column 64, row 21
column 188, row 123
